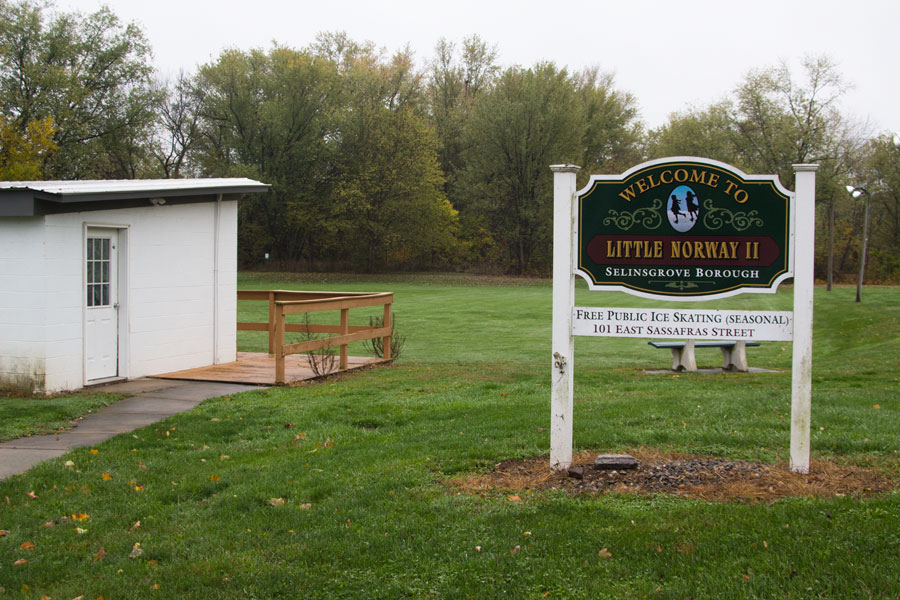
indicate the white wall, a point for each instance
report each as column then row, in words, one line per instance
column 22, row 318
column 167, row 294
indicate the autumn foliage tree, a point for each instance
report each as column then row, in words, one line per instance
column 90, row 75
column 22, row 154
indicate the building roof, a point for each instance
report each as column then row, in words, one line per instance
column 30, row 198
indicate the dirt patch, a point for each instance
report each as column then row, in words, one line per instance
column 689, row 476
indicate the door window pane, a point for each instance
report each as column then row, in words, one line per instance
column 98, row 273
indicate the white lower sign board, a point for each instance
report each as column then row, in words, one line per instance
column 683, row 323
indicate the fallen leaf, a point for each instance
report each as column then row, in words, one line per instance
column 155, row 586
column 659, row 548
column 306, row 506
column 135, row 526
column 32, row 495
column 46, row 597
column 214, row 478
column 20, row 562
column 876, row 406
column 604, row 553
column 516, row 550
column 48, row 524
column 136, row 550
column 100, row 555
column 68, row 463
column 276, row 501
column 4, row 532
column 477, row 548
column 27, row 546
column 94, row 451
column 106, row 476
column 514, row 498
column 746, row 577
column 80, row 531
column 80, row 516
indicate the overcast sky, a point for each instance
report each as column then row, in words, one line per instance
column 669, row 54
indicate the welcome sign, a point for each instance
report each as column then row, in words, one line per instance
column 684, row 229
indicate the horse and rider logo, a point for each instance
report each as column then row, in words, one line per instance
column 683, row 208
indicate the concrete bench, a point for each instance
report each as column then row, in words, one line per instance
column 734, row 354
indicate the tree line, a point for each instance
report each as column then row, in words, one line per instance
column 378, row 164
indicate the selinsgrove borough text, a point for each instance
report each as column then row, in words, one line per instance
column 683, row 273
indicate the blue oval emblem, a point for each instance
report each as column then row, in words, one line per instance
column 683, row 208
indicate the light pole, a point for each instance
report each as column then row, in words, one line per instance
column 856, row 192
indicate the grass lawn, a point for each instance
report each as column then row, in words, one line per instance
column 340, row 489
column 22, row 416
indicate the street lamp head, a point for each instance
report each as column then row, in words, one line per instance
column 856, row 192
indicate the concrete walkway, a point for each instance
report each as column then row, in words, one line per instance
column 152, row 400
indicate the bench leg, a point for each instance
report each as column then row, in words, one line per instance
column 735, row 358
column 683, row 358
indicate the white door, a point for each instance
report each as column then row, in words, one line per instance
column 101, row 332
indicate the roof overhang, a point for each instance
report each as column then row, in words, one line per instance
column 35, row 198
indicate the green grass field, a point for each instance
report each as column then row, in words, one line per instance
column 22, row 416
column 339, row 489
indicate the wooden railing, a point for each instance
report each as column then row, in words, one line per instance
column 284, row 302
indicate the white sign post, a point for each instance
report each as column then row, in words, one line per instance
column 569, row 321
column 563, row 345
column 801, row 370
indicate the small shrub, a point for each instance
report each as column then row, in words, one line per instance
column 376, row 345
column 321, row 361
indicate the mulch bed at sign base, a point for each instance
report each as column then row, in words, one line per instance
column 698, row 477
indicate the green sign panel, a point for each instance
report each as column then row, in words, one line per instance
column 684, row 229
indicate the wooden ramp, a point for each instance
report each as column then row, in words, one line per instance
column 259, row 369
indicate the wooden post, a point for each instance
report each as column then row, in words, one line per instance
column 345, row 329
column 386, row 341
column 830, row 245
column 801, row 371
column 563, row 343
column 279, row 343
column 271, row 322
column 865, row 239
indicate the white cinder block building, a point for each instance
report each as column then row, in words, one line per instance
column 104, row 280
